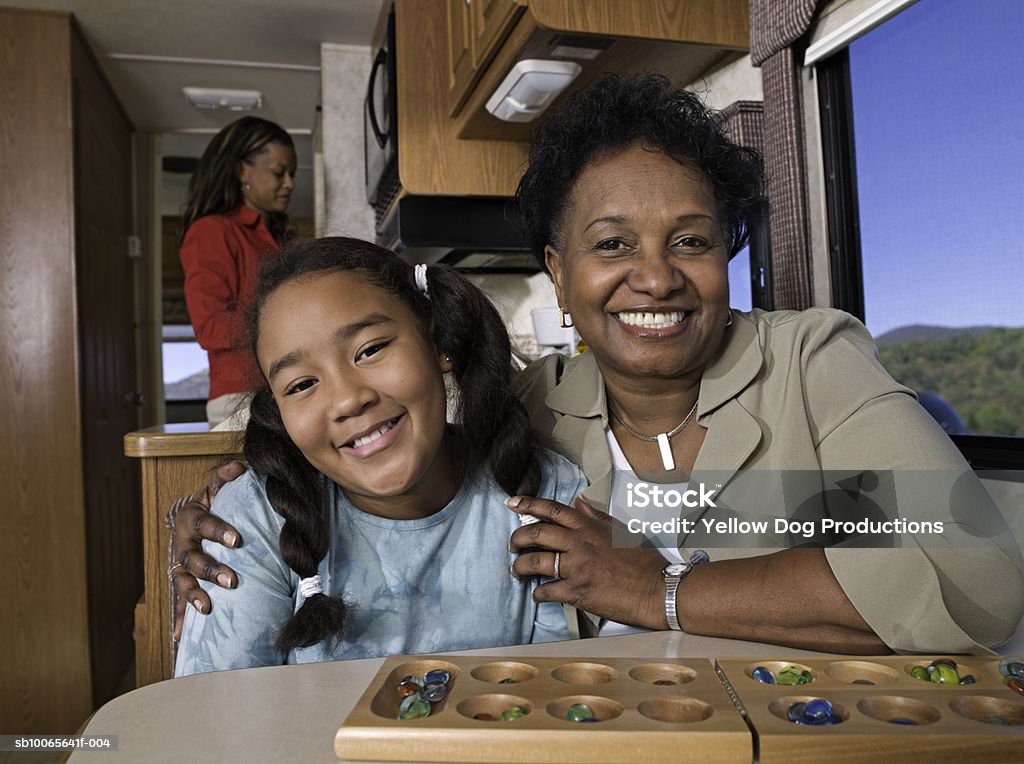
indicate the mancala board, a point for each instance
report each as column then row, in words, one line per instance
column 672, row 710
column 951, row 722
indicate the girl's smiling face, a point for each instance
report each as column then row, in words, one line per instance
column 361, row 391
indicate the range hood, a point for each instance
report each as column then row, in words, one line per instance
column 473, row 234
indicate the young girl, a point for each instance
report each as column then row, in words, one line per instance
column 371, row 526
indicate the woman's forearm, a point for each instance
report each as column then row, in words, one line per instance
column 787, row 598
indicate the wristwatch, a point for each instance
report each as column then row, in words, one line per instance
column 673, row 574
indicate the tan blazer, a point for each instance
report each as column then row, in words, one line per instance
column 793, row 394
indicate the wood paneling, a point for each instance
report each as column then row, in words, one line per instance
column 44, row 645
column 71, row 540
column 105, row 287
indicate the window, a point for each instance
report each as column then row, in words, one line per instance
column 922, row 120
column 740, row 297
column 186, row 370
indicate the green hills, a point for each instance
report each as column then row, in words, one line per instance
column 978, row 370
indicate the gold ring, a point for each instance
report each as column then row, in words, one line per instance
column 558, row 559
column 171, row 569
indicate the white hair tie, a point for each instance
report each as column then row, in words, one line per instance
column 310, row 586
column 420, row 271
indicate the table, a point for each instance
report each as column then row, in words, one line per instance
column 291, row 713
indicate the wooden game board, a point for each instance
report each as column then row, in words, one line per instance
column 691, row 720
column 949, row 726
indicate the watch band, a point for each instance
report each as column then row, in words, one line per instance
column 671, row 585
column 673, row 574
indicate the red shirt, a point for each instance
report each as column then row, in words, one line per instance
column 221, row 256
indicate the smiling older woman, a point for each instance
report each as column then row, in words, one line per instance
column 634, row 202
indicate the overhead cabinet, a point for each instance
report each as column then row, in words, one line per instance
column 474, row 31
column 450, row 61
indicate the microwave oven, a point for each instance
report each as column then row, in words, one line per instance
column 380, row 126
column 470, row 233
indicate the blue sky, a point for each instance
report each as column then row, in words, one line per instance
column 939, row 128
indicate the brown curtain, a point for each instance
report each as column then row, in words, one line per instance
column 775, row 25
column 744, row 122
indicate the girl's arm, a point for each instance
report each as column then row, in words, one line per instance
column 241, row 629
column 563, row 481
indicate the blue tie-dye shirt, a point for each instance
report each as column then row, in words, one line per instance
column 435, row 584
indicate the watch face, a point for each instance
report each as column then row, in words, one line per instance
column 676, row 569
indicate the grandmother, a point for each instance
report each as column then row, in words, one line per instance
column 634, row 201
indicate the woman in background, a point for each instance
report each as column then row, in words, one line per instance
column 236, row 214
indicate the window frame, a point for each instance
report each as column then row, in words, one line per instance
column 830, row 113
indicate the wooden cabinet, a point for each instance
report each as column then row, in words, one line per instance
column 176, row 460
column 491, row 21
column 71, row 541
column 475, row 28
column 450, row 60
column 460, row 53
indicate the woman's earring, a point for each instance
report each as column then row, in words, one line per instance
column 564, row 319
column 248, row 187
column 729, row 312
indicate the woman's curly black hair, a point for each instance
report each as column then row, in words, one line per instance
column 615, row 112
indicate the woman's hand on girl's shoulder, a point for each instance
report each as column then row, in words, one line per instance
column 618, row 583
column 191, row 523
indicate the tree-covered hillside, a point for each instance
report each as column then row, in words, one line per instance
column 980, row 373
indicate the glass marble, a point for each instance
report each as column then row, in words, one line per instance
column 579, row 712
column 513, row 712
column 942, row 673
column 435, row 692
column 405, row 689
column 413, row 707
column 437, row 675
column 817, row 712
column 996, row 720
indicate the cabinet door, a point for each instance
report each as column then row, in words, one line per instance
column 107, row 373
column 492, row 21
column 460, row 55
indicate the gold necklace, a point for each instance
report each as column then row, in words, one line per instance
column 662, row 439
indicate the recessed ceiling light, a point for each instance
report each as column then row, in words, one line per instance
column 220, row 98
